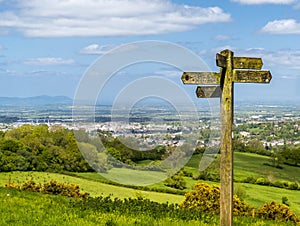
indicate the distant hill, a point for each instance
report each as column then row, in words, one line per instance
column 35, row 101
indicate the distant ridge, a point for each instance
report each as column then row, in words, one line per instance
column 35, row 101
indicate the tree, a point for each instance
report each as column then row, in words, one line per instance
column 291, row 156
column 176, row 181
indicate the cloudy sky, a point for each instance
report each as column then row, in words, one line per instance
column 46, row 46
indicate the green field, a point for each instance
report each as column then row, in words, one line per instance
column 20, row 208
column 248, row 164
column 255, row 195
column 94, row 187
column 245, row 165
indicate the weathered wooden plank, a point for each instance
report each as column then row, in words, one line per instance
column 220, row 60
column 208, row 91
column 247, row 63
column 240, row 62
column 205, row 78
column 251, row 76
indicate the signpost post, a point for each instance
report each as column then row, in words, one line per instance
column 223, row 82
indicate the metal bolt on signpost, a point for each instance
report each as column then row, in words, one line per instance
column 221, row 85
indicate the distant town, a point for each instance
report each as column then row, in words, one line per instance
column 272, row 125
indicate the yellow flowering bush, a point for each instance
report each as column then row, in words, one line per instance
column 52, row 187
column 279, row 212
column 207, row 199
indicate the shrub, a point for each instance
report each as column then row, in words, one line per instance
column 294, row 186
column 176, row 181
column 205, row 175
column 53, row 187
column 281, row 184
column 274, row 211
column 187, row 174
column 250, row 180
column 262, row 181
column 278, row 184
column 30, row 186
column 240, row 208
column 14, row 186
column 207, row 199
column 285, row 200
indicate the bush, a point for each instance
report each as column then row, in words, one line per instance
column 55, row 188
column 240, row 208
column 177, row 181
column 250, row 180
column 30, row 186
column 207, row 199
column 262, row 181
column 279, row 184
column 187, row 174
column 282, row 184
column 293, row 186
column 205, row 175
column 285, row 200
column 274, row 211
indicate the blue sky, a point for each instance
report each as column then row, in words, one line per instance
column 47, row 45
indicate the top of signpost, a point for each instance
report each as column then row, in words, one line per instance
column 240, row 62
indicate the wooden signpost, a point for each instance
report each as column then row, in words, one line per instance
column 223, row 85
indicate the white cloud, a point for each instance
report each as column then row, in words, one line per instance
column 281, row 62
column 259, row 2
column 56, row 18
column 289, row 26
column 289, row 59
column 286, row 59
column 49, row 61
column 96, row 49
column 37, row 73
column 222, row 38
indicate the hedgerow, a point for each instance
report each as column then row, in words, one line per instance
column 277, row 183
column 52, row 187
column 137, row 206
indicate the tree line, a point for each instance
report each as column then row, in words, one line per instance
column 57, row 149
column 38, row 148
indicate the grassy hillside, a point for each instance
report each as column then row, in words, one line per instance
column 255, row 195
column 245, row 165
column 248, row 164
column 26, row 208
column 94, row 187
